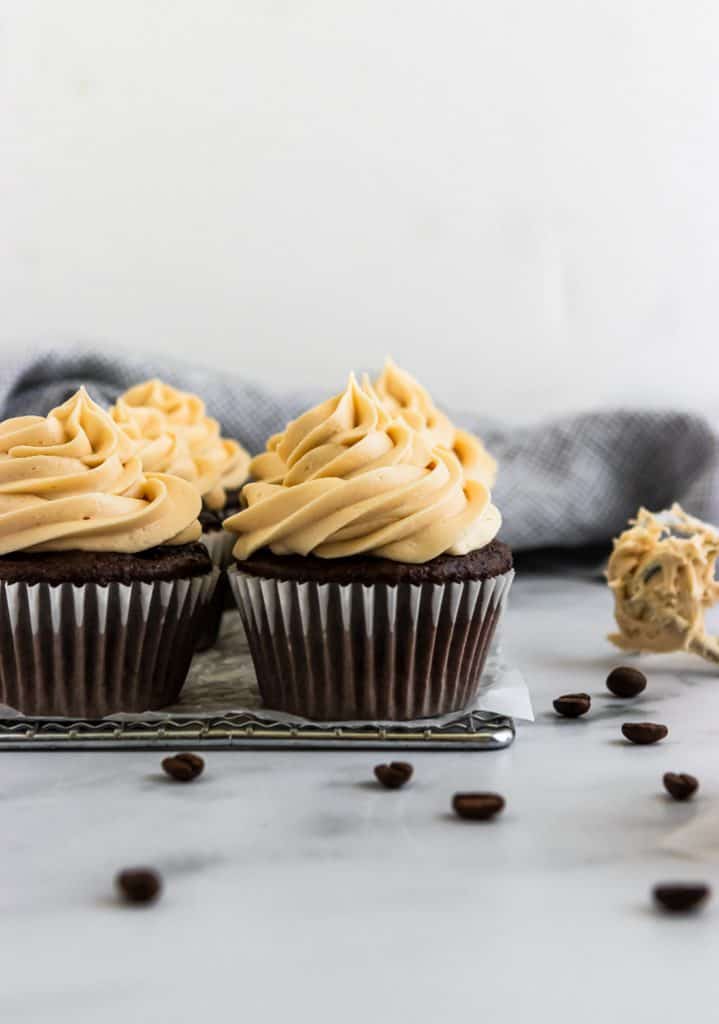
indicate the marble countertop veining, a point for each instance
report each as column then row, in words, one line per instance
column 297, row 888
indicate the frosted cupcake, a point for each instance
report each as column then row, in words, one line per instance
column 368, row 573
column 177, row 436
column 102, row 582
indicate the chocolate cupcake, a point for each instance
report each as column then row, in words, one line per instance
column 103, row 585
column 177, row 436
column 367, row 571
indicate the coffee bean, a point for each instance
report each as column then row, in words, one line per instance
column 680, row 897
column 572, row 705
column 626, row 682
column 139, row 885
column 644, row 732
column 184, row 767
column 393, row 775
column 680, row 785
column 477, row 806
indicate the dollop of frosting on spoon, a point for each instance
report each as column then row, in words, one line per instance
column 661, row 573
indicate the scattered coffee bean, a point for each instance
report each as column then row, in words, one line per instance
column 626, row 682
column 680, row 897
column 572, row 705
column 680, row 785
column 393, row 775
column 184, row 767
column 139, row 885
column 477, row 806
column 644, row 732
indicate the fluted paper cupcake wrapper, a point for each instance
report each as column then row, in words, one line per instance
column 91, row 650
column 333, row 652
column 219, row 544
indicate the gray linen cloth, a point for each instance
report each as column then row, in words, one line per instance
column 565, row 483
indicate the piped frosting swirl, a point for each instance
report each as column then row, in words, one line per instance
column 72, row 480
column 403, row 396
column 177, row 436
column 347, row 478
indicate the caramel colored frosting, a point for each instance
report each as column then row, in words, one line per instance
column 405, row 397
column 178, row 437
column 348, row 478
column 661, row 572
column 72, row 480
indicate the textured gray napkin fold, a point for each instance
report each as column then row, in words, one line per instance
column 567, row 482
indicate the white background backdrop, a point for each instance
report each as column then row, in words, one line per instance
column 517, row 199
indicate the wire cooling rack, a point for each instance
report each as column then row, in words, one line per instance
column 476, row 730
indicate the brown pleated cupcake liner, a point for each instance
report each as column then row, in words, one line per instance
column 219, row 544
column 209, row 630
column 89, row 651
column 350, row 652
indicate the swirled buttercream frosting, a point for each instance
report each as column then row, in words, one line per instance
column 348, row 478
column 405, row 397
column 177, row 436
column 72, row 480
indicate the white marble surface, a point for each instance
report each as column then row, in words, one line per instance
column 296, row 888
